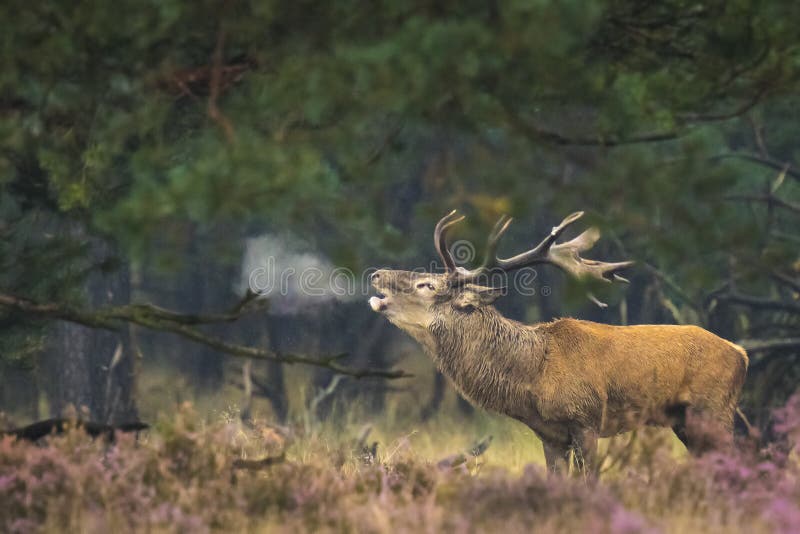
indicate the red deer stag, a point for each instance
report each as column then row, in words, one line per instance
column 570, row 381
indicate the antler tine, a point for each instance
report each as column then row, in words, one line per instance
column 556, row 232
column 490, row 255
column 568, row 260
column 464, row 276
column 440, row 239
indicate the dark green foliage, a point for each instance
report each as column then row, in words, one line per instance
column 358, row 124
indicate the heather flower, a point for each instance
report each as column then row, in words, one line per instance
column 784, row 515
column 626, row 522
column 6, row 482
column 787, row 420
column 180, row 478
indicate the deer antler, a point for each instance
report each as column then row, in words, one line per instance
column 565, row 256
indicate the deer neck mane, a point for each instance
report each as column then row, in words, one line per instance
column 490, row 359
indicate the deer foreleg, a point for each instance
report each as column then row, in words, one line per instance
column 556, row 456
column 584, row 445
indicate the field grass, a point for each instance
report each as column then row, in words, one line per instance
column 199, row 469
column 513, row 447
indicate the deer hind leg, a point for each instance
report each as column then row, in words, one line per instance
column 703, row 430
column 676, row 415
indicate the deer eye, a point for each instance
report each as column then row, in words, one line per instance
column 426, row 285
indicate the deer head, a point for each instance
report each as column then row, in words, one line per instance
column 413, row 300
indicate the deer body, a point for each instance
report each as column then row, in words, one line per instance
column 566, row 375
column 570, row 381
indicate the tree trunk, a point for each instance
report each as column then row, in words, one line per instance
column 93, row 370
column 437, row 396
column 275, row 383
column 19, row 391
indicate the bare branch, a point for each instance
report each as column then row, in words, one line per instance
column 168, row 321
column 786, row 280
column 767, row 345
column 241, row 308
column 57, row 311
column 769, row 199
column 760, row 302
column 388, row 139
column 736, row 112
column 767, row 162
column 323, row 394
column 669, row 282
column 539, row 134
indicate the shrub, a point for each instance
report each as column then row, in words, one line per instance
column 181, row 477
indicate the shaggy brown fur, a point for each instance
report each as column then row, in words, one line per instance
column 570, row 381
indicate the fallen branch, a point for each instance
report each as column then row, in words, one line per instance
column 256, row 465
column 454, row 460
column 41, row 429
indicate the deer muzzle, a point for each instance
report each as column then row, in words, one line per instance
column 377, row 303
column 380, row 280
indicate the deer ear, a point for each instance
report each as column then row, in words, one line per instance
column 473, row 295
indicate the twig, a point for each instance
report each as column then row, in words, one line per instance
column 214, row 88
column 758, row 136
column 247, row 385
column 116, row 358
column 751, row 431
column 401, row 442
column 387, row 140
